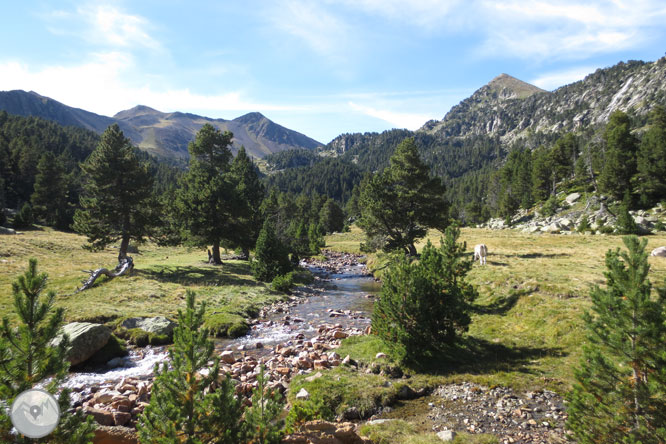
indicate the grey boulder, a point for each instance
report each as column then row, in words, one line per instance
column 158, row 325
column 85, row 340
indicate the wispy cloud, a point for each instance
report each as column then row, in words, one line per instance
column 553, row 80
column 104, row 24
column 411, row 121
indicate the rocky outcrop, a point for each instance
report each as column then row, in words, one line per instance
column 323, row 432
column 660, row 251
column 158, row 325
column 85, row 340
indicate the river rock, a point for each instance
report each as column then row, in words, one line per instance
column 85, row 339
column 320, row 432
column 660, row 251
column 158, row 325
column 449, row 435
column 227, row 357
column 102, row 417
column 115, row 435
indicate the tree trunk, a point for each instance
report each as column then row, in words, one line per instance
column 124, row 244
column 216, row 258
column 124, row 267
column 246, row 253
column 411, row 249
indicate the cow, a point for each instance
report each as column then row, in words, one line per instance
column 660, row 251
column 481, row 251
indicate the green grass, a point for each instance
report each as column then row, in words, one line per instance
column 156, row 287
column 526, row 329
column 405, row 432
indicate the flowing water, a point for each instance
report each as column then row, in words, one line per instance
column 343, row 298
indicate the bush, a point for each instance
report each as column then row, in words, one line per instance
column 24, row 218
column 424, row 306
column 659, row 226
column 549, row 207
column 584, row 225
column 625, row 223
column 283, row 283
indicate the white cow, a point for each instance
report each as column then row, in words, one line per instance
column 480, row 252
column 660, row 251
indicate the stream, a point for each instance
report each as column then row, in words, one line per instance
column 340, row 300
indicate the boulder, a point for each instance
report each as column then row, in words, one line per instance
column 553, row 228
column 660, row 251
column 158, row 325
column 115, row 435
column 4, row 230
column 85, row 340
column 322, row 432
column 449, row 435
column 565, row 222
column 571, row 198
column 303, row 394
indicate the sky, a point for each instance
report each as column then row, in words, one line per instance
column 322, row 68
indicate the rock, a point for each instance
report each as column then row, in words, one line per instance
column 660, row 251
column 158, row 325
column 102, row 417
column 553, row 228
column 380, row 355
column 564, row 222
column 449, row 435
column 4, row 230
column 85, row 339
column 105, row 397
column 115, row 435
column 227, row 357
column 571, row 198
column 323, row 432
column 339, row 334
column 303, row 394
column 406, row 392
column 121, row 418
column 313, row 377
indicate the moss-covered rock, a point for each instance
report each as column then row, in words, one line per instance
column 114, row 348
column 142, row 338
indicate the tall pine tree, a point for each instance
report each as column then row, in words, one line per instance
column 27, row 358
column 650, row 181
column 620, row 157
column 117, row 199
column 205, row 200
column 49, row 200
column 620, row 396
column 399, row 204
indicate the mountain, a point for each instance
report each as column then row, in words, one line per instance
column 163, row 134
column 509, row 108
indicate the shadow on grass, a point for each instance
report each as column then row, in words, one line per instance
column 502, row 306
column 227, row 274
column 538, row 255
column 477, row 356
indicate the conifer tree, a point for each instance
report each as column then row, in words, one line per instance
column 542, row 175
column 49, row 200
column 261, row 424
column 620, row 394
column 24, row 218
column 270, row 258
column 650, row 180
column 620, row 158
column 117, row 199
column 625, row 223
column 248, row 195
column 183, row 408
column 399, row 204
column 205, row 200
column 331, row 216
column 424, row 305
column 27, row 358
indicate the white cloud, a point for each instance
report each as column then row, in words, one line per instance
column 99, row 85
column 411, row 121
column 553, row 80
column 565, row 29
column 104, row 24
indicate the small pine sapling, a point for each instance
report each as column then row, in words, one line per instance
column 262, row 425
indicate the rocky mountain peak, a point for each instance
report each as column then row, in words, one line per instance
column 508, row 87
column 139, row 110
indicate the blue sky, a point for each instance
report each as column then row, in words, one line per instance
column 319, row 67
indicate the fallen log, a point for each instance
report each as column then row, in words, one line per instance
column 124, row 267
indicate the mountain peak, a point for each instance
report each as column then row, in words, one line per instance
column 139, row 110
column 509, row 87
column 250, row 117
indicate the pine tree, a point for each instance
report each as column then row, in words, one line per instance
column 620, row 158
column 248, row 195
column 650, row 180
column 620, row 394
column 424, row 305
column 3, row 202
column 402, row 202
column 183, row 408
column 261, row 424
column 27, row 358
column 49, row 199
column 205, row 200
column 625, row 223
column 542, row 175
column 24, row 218
column 331, row 216
column 117, row 199
column 271, row 257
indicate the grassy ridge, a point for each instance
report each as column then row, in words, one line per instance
column 156, row 287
